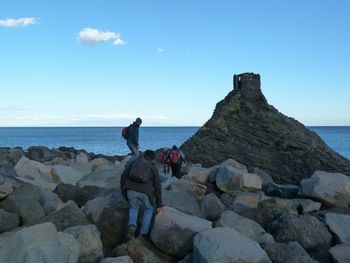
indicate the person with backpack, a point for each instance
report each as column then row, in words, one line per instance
column 164, row 160
column 131, row 134
column 140, row 184
column 176, row 158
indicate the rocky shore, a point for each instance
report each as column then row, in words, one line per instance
column 65, row 205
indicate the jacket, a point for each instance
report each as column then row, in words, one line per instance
column 151, row 187
column 133, row 135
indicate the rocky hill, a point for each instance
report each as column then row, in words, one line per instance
column 246, row 128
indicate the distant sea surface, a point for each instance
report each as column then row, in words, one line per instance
column 107, row 140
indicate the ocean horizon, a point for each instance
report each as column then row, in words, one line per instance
column 107, row 139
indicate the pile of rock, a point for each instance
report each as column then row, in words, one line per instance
column 66, row 206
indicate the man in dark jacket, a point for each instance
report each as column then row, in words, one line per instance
column 147, row 194
column 133, row 139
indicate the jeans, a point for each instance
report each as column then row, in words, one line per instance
column 134, row 152
column 136, row 199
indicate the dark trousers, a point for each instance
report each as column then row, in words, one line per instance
column 176, row 169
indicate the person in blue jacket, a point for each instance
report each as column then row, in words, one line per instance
column 133, row 140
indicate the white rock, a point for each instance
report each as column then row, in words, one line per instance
column 65, row 174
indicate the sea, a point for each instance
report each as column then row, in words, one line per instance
column 108, row 140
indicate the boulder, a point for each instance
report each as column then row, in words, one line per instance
column 183, row 202
column 35, row 173
column 8, row 179
column 123, row 259
column 339, row 225
column 173, row 231
column 60, row 161
column 50, row 202
column 11, row 155
column 68, row 216
column 223, row 245
column 240, row 201
column 282, row 190
column 109, row 178
column 198, row 174
column 25, row 203
column 234, row 179
column 8, row 221
column 211, row 207
column 85, row 168
column 80, row 195
column 66, row 175
column 305, row 229
column 81, row 158
column 244, row 226
column 264, row 176
column 289, row 252
column 90, row 244
column 183, row 186
column 40, row 244
column 340, row 253
column 99, row 162
column 331, row 189
column 43, row 154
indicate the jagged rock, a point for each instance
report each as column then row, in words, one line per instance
column 289, row 252
column 190, row 188
column 123, row 259
column 340, row 253
column 211, row 206
column 66, row 175
column 90, row 244
column 42, row 154
column 145, row 252
column 305, row 229
column 50, row 202
column 173, row 231
column 244, row 226
column 198, row 174
column 109, row 178
column 183, row 202
column 80, row 195
column 68, row 216
column 40, row 244
column 25, row 203
column 223, row 245
column 331, row 189
column 240, row 201
column 35, row 173
column 99, row 162
column 11, row 155
column 8, row 179
column 8, row 221
column 339, row 225
column 246, row 128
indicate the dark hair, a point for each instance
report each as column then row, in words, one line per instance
column 174, row 147
column 149, row 154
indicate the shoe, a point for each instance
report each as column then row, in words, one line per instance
column 131, row 232
column 142, row 237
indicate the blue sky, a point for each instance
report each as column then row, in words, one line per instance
column 103, row 63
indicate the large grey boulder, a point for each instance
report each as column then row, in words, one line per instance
column 183, row 186
column 25, row 203
column 8, row 179
column 289, row 252
column 240, row 201
column 339, row 225
column 90, row 244
column 331, row 189
column 225, row 245
column 80, row 195
column 66, row 174
column 211, row 206
column 305, row 229
column 68, row 216
column 244, row 226
column 50, row 202
column 173, row 231
column 109, row 178
column 8, row 221
column 198, row 174
column 40, row 244
column 340, row 253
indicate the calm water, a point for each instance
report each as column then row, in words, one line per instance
column 108, row 141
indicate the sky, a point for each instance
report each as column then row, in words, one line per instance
column 106, row 62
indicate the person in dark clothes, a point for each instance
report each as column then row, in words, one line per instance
column 176, row 158
column 147, row 193
column 164, row 160
column 133, row 139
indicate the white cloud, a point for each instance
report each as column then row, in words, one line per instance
column 91, row 36
column 25, row 21
column 160, row 50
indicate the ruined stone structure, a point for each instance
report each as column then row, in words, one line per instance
column 246, row 128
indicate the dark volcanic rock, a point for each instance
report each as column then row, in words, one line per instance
column 246, row 128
